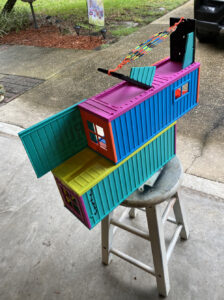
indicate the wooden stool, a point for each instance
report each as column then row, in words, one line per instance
column 165, row 189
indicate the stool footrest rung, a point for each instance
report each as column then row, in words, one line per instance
column 122, row 217
column 172, row 220
column 130, row 229
column 140, row 208
column 133, row 261
column 173, row 242
column 167, row 210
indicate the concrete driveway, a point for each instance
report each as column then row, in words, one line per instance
column 45, row 253
column 71, row 76
column 201, row 132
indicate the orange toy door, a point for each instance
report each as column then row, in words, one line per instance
column 99, row 135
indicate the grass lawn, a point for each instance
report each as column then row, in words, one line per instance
column 117, row 12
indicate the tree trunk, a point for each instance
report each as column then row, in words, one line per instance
column 9, row 6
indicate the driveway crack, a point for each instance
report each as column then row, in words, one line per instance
column 215, row 126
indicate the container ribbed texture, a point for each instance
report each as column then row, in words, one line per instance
column 54, row 140
column 122, row 182
column 141, row 123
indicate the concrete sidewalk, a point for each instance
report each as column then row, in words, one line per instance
column 71, row 76
column 46, row 253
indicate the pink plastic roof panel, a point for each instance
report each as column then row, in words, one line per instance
column 120, row 98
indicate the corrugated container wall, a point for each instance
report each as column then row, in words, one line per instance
column 100, row 199
column 141, row 123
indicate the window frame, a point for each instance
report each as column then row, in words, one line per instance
column 180, row 86
column 98, row 136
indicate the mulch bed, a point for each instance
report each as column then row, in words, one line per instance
column 50, row 36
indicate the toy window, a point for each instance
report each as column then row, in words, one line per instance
column 97, row 134
column 180, row 91
column 71, row 200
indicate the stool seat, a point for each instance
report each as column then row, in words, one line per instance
column 165, row 187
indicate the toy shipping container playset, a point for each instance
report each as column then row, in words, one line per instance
column 102, row 149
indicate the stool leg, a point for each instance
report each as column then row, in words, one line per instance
column 132, row 213
column 106, row 239
column 180, row 217
column 158, row 246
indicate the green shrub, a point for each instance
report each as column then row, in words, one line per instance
column 14, row 21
